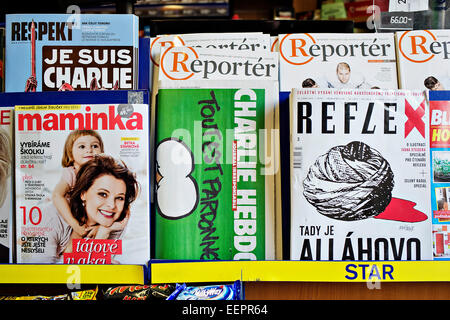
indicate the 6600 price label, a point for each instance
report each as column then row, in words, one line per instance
column 399, row 20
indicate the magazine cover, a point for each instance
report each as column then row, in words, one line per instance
column 440, row 172
column 423, row 59
column 51, row 52
column 188, row 67
column 6, row 183
column 212, row 139
column 341, row 61
column 359, row 175
column 325, row 60
column 214, row 181
column 82, row 184
column 251, row 104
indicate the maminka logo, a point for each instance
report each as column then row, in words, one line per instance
column 300, row 49
column 422, row 46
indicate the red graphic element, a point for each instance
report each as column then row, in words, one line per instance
column 439, row 243
column 86, row 258
column 66, row 87
column 415, row 118
column 234, row 179
column 402, row 210
column 93, row 251
column 441, row 214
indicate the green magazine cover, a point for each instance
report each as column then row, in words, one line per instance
column 216, row 159
column 214, row 180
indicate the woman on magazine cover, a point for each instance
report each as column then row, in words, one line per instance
column 101, row 196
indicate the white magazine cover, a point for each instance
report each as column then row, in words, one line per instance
column 82, row 184
column 339, row 60
column 6, row 183
column 423, row 59
column 360, row 175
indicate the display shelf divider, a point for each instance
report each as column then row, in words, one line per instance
column 70, row 273
column 299, row 271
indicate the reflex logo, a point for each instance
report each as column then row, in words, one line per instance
column 292, row 48
column 175, row 62
column 420, row 46
column 163, row 42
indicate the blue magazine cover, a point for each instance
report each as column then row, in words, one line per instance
column 440, row 172
column 63, row 52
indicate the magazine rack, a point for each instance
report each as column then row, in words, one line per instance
column 228, row 271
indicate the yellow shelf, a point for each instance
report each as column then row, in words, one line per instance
column 306, row 271
column 83, row 274
column 229, row 271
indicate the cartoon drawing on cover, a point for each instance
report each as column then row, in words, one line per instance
column 355, row 182
column 174, row 165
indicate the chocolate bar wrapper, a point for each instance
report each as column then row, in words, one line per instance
column 211, row 292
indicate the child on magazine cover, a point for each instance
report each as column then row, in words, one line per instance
column 80, row 147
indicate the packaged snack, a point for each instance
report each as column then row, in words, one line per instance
column 140, row 292
column 162, row 291
column 211, row 292
column 85, row 294
column 131, row 292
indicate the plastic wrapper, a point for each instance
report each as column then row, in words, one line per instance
column 139, row 292
column 210, row 292
column 85, row 294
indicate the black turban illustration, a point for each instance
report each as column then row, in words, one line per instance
column 351, row 182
